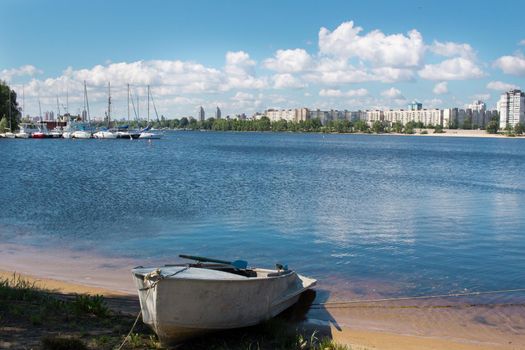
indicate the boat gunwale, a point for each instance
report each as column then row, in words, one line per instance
column 243, row 279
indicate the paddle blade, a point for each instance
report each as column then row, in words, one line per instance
column 239, row 264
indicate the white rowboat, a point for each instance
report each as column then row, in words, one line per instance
column 182, row 301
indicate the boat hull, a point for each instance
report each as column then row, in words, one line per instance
column 149, row 136
column 38, row 135
column 180, row 308
column 81, row 135
column 104, row 135
column 22, row 135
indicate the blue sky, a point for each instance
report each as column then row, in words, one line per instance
column 247, row 56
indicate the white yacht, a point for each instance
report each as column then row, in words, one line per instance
column 105, row 134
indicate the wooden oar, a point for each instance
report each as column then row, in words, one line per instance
column 238, row 264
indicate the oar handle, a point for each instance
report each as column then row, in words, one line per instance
column 204, row 259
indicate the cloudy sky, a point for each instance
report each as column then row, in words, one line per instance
column 247, row 56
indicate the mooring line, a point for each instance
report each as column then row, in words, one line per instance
column 342, row 304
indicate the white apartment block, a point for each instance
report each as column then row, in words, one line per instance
column 426, row 116
column 374, row 116
column 290, row 115
column 511, row 108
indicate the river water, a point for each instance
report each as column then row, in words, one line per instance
column 396, row 215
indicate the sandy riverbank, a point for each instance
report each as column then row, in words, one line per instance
column 389, row 326
column 459, row 133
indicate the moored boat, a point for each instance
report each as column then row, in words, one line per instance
column 81, row 134
column 183, row 301
column 104, row 134
column 26, row 130
column 149, row 135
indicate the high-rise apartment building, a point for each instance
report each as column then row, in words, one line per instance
column 218, row 113
column 415, row 106
column 511, row 108
column 202, row 115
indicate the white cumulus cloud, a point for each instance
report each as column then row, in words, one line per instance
column 287, row 80
column 339, row 93
column 452, row 49
column 458, row 68
column 375, row 47
column 514, row 65
column 289, row 61
column 440, row 88
column 27, row 70
column 392, row 93
column 501, row 86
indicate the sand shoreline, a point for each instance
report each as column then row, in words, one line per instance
column 392, row 327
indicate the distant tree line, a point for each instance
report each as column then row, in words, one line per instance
column 311, row 125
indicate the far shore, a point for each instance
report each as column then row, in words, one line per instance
column 388, row 327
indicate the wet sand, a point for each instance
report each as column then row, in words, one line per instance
column 427, row 324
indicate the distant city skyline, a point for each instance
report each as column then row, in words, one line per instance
column 262, row 55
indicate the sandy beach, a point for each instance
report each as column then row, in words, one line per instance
column 460, row 133
column 436, row 325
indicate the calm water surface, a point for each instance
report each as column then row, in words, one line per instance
column 410, row 215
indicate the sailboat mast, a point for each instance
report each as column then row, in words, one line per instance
column 39, row 109
column 148, row 104
column 87, row 102
column 10, row 128
column 109, row 103
column 58, row 109
column 67, row 99
column 84, row 109
column 128, row 103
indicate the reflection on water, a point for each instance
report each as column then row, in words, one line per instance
column 384, row 215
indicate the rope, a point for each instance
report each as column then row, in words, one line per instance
column 343, row 304
column 130, row 331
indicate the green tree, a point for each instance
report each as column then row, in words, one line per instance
column 492, row 127
column 183, row 122
column 409, row 128
column 280, row 125
column 378, row 127
column 438, row 129
column 467, row 123
column 4, row 125
column 509, row 129
column 397, row 127
column 361, row 126
column 519, row 129
column 7, row 109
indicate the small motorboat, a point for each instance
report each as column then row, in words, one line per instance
column 149, row 135
column 185, row 300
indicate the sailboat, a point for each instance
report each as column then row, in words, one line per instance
column 26, row 130
column 123, row 132
column 84, row 132
column 146, row 133
column 106, row 133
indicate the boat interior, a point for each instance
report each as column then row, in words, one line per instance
column 241, row 272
